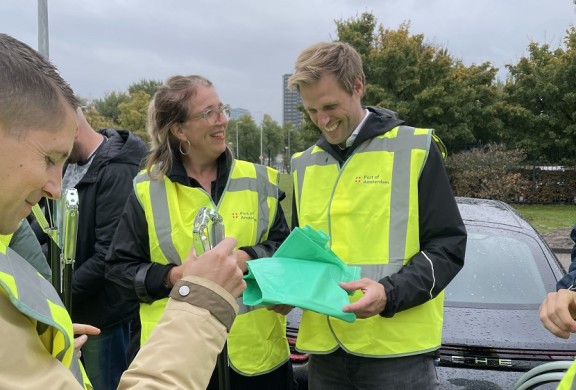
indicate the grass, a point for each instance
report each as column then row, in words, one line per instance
column 548, row 217
column 544, row 218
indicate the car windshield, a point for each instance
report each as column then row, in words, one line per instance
column 501, row 267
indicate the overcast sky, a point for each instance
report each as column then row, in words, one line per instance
column 245, row 46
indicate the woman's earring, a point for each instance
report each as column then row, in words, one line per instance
column 180, row 148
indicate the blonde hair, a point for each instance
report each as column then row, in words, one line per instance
column 337, row 58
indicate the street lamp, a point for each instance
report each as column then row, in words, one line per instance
column 261, row 151
column 261, row 136
column 237, row 147
column 289, row 130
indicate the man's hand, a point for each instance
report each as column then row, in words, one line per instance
column 83, row 330
column 558, row 311
column 218, row 265
column 281, row 309
column 373, row 301
column 242, row 257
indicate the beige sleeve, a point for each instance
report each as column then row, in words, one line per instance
column 182, row 349
column 26, row 363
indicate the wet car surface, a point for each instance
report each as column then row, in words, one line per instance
column 492, row 333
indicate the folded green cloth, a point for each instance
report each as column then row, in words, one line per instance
column 303, row 272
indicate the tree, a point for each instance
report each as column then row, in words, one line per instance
column 248, row 138
column 109, row 106
column 96, row 120
column 148, row 86
column 133, row 113
column 540, row 96
column 424, row 84
column 273, row 142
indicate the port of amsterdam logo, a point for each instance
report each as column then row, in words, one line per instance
column 371, row 179
column 244, row 215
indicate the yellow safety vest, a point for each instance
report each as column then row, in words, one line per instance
column 369, row 208
column 35, row 298
column 257, row 342
column 567, row 382
column 6, row 238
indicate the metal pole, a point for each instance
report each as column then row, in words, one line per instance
column 289, row 130
column 237, row 148
column 43, row 28
column 261, row 151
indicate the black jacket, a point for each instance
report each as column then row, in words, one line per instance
column 128, row 262
column 442, row 231
column 569, row 280
column 102, row 193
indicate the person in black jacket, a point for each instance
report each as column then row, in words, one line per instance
column 379, row 189
column 558, row 310
column 191, row 162
column 101, row 167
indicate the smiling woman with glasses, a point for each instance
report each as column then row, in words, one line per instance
column 190, row 166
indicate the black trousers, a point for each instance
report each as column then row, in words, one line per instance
column 281, row 378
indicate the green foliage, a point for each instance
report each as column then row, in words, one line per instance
column 358, row 32
column 96, row 120
column 147, row 86
column 540, row 102
column 125, row 110
column 109, row 107
column 490, row 172
column 424, row 84
column 248, row 138
column 273, row 142
column 133, row 113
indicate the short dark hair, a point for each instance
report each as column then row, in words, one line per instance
column 32, row 92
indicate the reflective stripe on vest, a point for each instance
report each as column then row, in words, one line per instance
column 35, row 297
column 379, row 182
column 257, row 341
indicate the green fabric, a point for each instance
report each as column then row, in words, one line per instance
column 303, row 272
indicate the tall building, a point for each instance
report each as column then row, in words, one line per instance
column 291, row 102
column 237, row 113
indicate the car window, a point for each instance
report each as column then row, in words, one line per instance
column 501, row 267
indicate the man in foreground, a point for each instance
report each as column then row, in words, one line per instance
column 37, row 127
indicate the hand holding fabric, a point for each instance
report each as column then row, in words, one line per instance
column 372, row 303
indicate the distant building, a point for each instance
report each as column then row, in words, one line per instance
column 237, row 113
column 291, row 102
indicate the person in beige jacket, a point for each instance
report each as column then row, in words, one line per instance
column 38, row 351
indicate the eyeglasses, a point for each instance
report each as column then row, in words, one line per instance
column 211, row 114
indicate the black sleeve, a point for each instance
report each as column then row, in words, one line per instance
column 442, row 242
column 128, row 262
column 569, row 280
column 276, row 236
column 114, row 186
